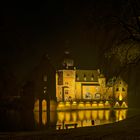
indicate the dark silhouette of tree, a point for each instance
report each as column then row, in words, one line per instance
column 126, row 47
column 27, row 96
column 7, row 83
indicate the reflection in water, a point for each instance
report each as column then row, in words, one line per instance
column 120, row 115
column 101, row 114
column 94, row 114
column 44, row 118
column 85, row 117
column 82, row 117
column 28, row 120
column 67, row 116
column 74, row 116
column 36, row 117
column 107, row 114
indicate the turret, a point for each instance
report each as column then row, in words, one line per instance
column 68, row 62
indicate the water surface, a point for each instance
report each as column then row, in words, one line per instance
column 34, row 121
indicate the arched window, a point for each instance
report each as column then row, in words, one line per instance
column 44, row 105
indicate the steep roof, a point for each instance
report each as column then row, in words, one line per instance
column 89, row 75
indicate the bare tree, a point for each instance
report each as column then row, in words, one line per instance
column 126, row 49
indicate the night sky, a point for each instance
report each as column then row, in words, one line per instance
column 29, row 30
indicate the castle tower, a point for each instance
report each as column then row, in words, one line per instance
column 65, row 79
column 68, row 62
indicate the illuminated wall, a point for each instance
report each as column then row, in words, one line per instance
column 90, row 91
column 87, row 85
column 65, row 85
column 120, row 90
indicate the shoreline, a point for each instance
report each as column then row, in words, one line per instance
column 128, row 128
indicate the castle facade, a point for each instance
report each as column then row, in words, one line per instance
column 88, row 88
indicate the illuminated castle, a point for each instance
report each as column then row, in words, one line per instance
column 80, row 89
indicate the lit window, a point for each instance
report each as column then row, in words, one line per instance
column 66, row 92
column 92, row 77
column 85, row 77
column 77, row 78
column 97, row 96
column 123, row 89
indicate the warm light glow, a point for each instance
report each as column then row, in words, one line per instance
column 74, row 116
column 101, row 114
column 81, row 115
column 86, row 122
column 60, row 116
column 67, row 116
column 36, row 105
column 44, row 105
column 120, row 114
column 117, row 104
column 107, row 114
column 107, row 104
column 120, row 97
column 36, row 116
column 94, row 104
column 85, row 117
column 71, row 91
column 44, row 118
column 89, row 92
column 87, row 105
column 94, row 114
column 67, row 104
column 74, row 105
column 124, row 105
column 88, row 114
column 60, row 105
column 81, row 105
column 101, row 104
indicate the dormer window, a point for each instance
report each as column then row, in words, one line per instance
column 92, row 77
column 85, row 78
column 77, row 77
column 123, row 89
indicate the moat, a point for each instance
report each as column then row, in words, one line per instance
column 30, row 121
